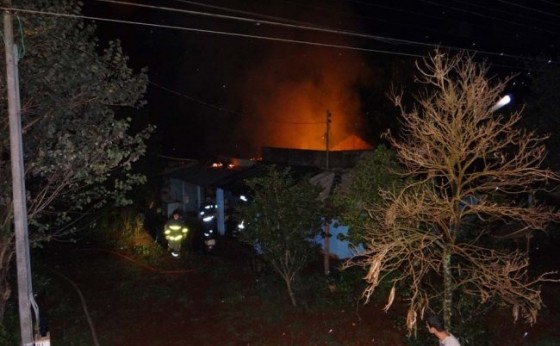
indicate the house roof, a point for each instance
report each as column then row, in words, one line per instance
column 352, row 142
column 236, row 183
column 328, row 181
column 201, row 175
column 233, row 180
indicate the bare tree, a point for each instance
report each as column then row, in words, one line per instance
column 472, row 170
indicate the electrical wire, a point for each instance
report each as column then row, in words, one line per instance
column 204, row 103
column 515, row 14
column 549, row 2
column 266, row 22
column 279, row 39
column 529, row 8
column 227, row 9
column 334, row 31
column 487, row 16
column 193, row 99
column 199, row 101
column 419, row 13
column 383, row 39
column 226, row 33
column 221, row 109
column 390, row 8
column 261, row 22
column 210, row 105
column 184, row 95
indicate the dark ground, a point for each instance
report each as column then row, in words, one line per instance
column 125, row 298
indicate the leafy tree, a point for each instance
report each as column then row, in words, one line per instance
column 78, row 153
column 374, row 171
column 473, row 169
column 282, row 219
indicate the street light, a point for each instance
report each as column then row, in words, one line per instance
column 502, row 102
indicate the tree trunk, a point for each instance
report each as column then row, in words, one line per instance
column 447, row 289
column 290, row 291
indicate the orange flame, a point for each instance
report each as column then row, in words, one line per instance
column 287, row 94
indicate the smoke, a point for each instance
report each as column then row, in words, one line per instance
column 288, row 88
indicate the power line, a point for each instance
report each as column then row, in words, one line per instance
column 416, row 13
column 486, row 16
column 329, row 30
column 188, row 97
column 390, row 8
column 183, row 28
column 425, row 24
column 529, row 8
column 550, row 2
column 279, row 39
column 260, row 22
column 221, row 109
column 204, row 103
column 227, row 9
column 515, row 14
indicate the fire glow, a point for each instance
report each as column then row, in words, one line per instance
column 287, row 93
column 289, row 109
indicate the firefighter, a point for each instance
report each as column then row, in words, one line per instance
column 175, row 232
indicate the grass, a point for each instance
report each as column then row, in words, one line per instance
column 121, row 289
column 134, row 296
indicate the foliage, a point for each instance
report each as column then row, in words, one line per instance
column 345, row 286
column 9, row 329
column 373, row 171
column 79, row 153
column 282, row 219
column 473, row 169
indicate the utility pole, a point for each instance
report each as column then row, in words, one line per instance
column 327, row 139
column 18, row 182
column 326, row 226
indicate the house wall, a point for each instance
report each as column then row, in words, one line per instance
column 184, row 196
column 220, row 202
column 341, row 249
column 189, row 197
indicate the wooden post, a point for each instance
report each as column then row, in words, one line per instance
column 326, row 248
column 326, row 240
column 327, row 139
column 18, row 183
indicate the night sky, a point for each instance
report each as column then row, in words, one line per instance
column 224, row 86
